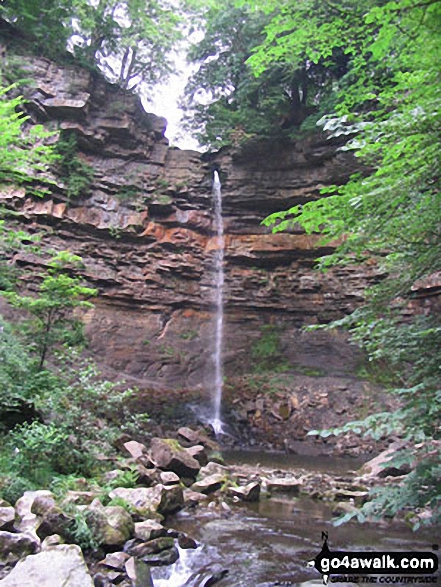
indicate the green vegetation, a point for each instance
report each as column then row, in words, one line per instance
column 227, row 104
column 190, row 335
column 266, row 352
column 388, row 105
column 51, row 321
column 76, row 173
column 57, row 414
column 24, row 156
column 128, row 41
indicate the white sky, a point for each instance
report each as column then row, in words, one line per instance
column 163, row 101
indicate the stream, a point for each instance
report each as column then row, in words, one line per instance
column 270, row 542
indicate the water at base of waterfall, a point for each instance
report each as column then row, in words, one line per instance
column 216, row 421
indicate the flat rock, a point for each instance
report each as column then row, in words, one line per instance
column 284, row 485
column 169, row 478
column 250, row 492
column 136, row 449
column 209, row 484
column 115, row 560
column 58, row 566
column 212, row 468
column 149, row 529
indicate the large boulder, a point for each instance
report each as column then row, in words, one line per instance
column 169, row 455
column 14, row 546
column 139, row 573
column 148, row 500
column 28, row 521
column 57, row 566
column 379, row 466
column 113, row 525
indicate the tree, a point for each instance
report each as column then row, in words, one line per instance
column 389, row 107
column 225, row 103
column 130, row 41
column 52, row 309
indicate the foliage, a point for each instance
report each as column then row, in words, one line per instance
column 227, row 104
column 51, row 310
column 15, row 369
column 130, row 41
column 389, row 110
column 76, row 173
column 24, row 156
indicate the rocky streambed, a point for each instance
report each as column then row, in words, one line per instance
column 173, row 513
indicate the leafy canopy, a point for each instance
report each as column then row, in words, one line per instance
column 130, row 41
column 389, row 107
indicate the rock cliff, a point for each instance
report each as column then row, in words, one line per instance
column 144, row 228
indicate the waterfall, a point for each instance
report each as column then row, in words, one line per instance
column 219, row 306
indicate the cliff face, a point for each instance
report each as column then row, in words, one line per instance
column 145, row 231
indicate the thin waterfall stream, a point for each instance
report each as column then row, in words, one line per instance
column 216, row 421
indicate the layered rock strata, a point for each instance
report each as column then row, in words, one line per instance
column 144, row 228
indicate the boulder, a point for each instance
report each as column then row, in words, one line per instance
column 169, row 455
column 54, row 521
column 61, row 565
column 13, row 546
column 191, row 437
column 149, row 529
column 172, row 499
column 28, row 521
column 194, row 497
column 53, row 540
column 378, row 467
column 7, row 515
column 115, row 560
column 112, row 524
column 211, row 468
column 151, row 547
column 250, row 492
column 199, row 453
column 186, row 542
column 139, row 573
column 163, row 558
column 146, row 477
column 160, row 499
column 136, row 450
column 209, row 484
column 169, row 478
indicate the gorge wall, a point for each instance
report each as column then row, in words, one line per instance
column 145, row 232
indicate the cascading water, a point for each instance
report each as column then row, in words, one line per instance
column 216, row 421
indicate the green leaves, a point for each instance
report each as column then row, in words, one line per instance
column 24, row 155
column 389, row 106
column 51, row 319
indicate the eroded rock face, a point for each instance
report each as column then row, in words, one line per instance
column 145, row 232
